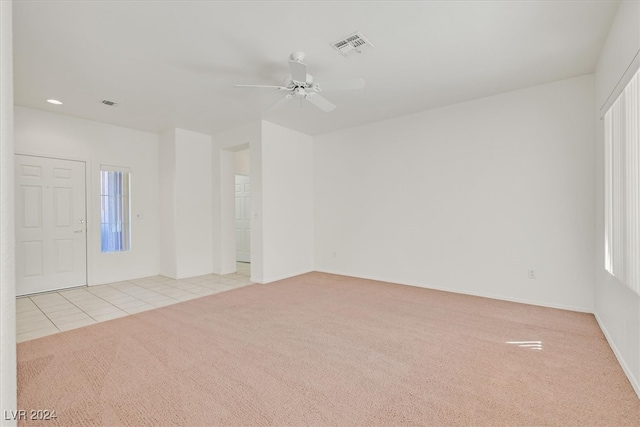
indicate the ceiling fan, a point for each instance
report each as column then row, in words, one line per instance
column 300, row 85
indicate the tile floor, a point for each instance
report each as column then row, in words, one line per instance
column 52, row 312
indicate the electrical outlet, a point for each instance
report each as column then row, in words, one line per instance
column 532, row 274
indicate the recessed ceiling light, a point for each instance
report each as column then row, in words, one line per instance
column 54, row 101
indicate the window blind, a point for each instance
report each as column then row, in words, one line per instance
column 622, row 186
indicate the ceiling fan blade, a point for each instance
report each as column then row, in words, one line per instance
column 343, row 84
column 277, row 104
column 298, row 71
column 321, row 103
column 264, row 86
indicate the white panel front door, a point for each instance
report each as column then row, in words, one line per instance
column 243, row 219
column 51, row 240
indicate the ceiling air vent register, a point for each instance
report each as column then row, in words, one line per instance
column 352, row 44
column 109, row 103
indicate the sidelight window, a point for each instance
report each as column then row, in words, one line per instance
column 115, row 213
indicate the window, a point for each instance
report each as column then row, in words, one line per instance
column 115, row 213
column 622, row 186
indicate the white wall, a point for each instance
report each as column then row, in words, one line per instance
column 228, row 216
column 194, row 203
column 257, row 230
column 187, row 156
column 242, row 162
column 54, row 135
column 617, row 308
column 287, row 202
column 167, row 180
column 224, row 238
column 8, row 400
column 467, row 198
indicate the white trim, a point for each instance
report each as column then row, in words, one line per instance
column 51, row 156
column 628, row 372
column 622, row 172
column 466, row 292
column 8, row 395
column 111, row 168
column 137, row 277
column 286, row 276
column 626, row 77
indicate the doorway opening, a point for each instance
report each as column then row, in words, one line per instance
column 242, row 171
column 243, row 218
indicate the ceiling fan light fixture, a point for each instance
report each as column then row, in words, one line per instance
column 300, row 85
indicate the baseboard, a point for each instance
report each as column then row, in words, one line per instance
column 137, row 277
column 625, row 368
column 634, row 382
column 465, row 292
column 276, row 278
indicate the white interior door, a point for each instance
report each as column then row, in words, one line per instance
column 50, row 217
column 243, row 218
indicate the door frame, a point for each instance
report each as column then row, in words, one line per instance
column 87, row 193
column 249, row 214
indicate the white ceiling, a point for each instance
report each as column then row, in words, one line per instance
column 174, row 63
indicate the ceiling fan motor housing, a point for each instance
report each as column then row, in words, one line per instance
column 297, row 56
column 300, row 92
column 290, row 83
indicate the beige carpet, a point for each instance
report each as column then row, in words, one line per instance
column 321, row 349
